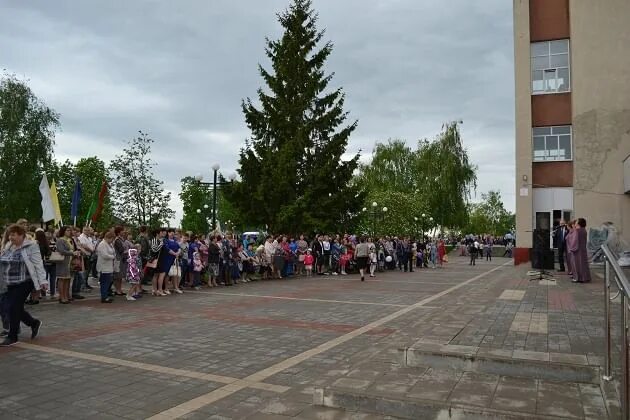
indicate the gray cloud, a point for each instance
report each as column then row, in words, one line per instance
column 179, row 70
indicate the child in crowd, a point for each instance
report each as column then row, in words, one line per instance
column 134, row 273
column 373, row 259
column 308, row 263
column 197, row 266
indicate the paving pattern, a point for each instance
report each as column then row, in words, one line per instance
column 261, row 350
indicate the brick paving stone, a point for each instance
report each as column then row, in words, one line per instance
column 562, row 400
column 516, row 395
column 474, row 389
column 220, row 332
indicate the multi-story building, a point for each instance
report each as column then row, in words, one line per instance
column 572, row 74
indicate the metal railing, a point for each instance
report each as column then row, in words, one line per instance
column 614, row 272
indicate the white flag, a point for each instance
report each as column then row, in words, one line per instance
column 48, row 210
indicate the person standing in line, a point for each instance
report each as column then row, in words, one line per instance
column 372, row 257
column 87, row 247
column 361, row 255
column 318, row 253
column 134, row 273
column 76, row 266
column 21, row 271
column 145, row 245
column 105, row 257
column 170, row 254
column 569, row 244
column 44, row 249
column 158, row 254
column 308, row 263
column 214, row 261
column 119, row 247
column 184, row 259
column 65, row 247
column 327, row 255
column 560, row 239
column 580, row 256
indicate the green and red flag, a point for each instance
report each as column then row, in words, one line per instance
column 96, row 207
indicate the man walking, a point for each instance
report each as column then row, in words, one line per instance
column 560, row 240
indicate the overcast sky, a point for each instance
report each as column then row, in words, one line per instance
column 178, row 70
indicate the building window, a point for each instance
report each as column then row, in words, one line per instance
column 550, row 66
column 552, row 143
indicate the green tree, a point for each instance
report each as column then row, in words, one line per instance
column 27, row 133
column 293, row 177
column 397, row 220
column 393, row 167
column 138, row 196
column 92, row 171
column 490, row 216
column 449, row 178
column 436, row 179
column 195, row 197
column 63, row 174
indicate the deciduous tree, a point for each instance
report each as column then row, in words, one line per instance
column 138, row 196
column 27, row 133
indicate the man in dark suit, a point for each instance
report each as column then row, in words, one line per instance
column 560, row 235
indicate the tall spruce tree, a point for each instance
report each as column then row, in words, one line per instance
column 293, row 178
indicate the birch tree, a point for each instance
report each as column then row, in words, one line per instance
column 137, row 194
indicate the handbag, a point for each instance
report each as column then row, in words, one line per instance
column 174, row 270
column 152, row 263
column 56, row 257
column 76, row 264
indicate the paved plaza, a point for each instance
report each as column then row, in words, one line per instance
column 462, row 341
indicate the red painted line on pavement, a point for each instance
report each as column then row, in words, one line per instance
column 309, row 325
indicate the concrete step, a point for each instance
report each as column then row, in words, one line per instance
column 444, row 395
column 555, row 367
column 412, row 408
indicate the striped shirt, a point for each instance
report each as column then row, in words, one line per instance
column 12, row 267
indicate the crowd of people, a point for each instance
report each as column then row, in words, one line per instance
column 480, row 246
column 61, row 263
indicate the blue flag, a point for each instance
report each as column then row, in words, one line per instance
column 76, row 200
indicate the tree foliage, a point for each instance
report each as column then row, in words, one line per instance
column 138, row 196
column 403, row 216
column 393, row 167
column 490, row 216
column 293, row 177
column 450, row 177
column 27, row 133
column 92, row 171
column 195, row 197
column 435, row 179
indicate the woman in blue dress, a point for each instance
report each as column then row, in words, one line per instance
column 170, row 251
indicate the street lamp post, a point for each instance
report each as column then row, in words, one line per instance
column 215, row 170
column 215, row 182
column 376, row 215
column 415, row 227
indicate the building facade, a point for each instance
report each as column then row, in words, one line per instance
column 572, row 76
